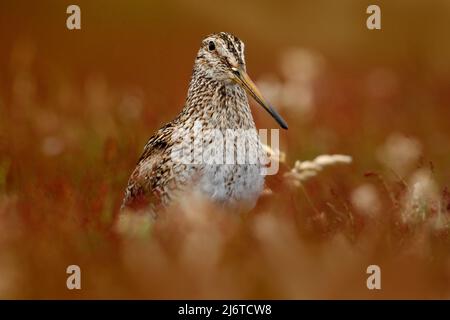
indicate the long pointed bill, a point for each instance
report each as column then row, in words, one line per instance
column 244, row 80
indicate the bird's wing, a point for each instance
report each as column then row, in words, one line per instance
column 142, row 188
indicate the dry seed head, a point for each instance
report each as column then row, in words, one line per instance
column 303, row 170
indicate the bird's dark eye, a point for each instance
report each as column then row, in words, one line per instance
column 211, row 46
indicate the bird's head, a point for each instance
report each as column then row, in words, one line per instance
column 221, row 58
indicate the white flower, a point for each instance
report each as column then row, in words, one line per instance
column 421, row 197
column 399, row 153
column 365, row 199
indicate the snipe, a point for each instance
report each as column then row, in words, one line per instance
column 216, row 103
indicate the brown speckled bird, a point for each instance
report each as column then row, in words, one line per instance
column 216, row 101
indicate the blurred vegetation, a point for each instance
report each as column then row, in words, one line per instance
column 76, row 108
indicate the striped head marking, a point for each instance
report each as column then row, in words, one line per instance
column 218, row 54
column 221, row 58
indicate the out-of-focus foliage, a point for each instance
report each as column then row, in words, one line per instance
column 76, row 108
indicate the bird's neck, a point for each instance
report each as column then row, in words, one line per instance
column 217, row 104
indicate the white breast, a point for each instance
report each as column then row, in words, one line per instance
column 237, row 184
column 233, row 185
